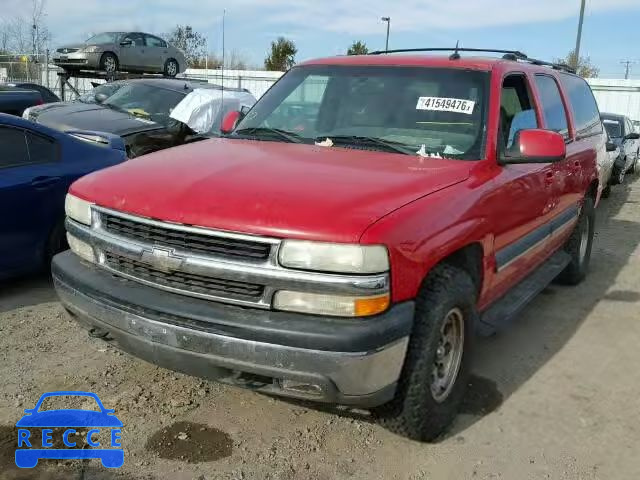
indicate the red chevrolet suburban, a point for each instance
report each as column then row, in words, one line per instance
column 348, row 238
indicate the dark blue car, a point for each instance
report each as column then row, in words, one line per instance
column 32, row 447
column 37, row 165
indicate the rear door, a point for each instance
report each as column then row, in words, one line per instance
column 633, row 145
column 157, row 52
column 28, row 176
column 133, row 56
column 587, row 147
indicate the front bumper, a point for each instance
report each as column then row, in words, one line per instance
column 344, row 361
column 77, row 60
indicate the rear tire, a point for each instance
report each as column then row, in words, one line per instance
column 171, row 68
column 429, row 394
column 579, row 246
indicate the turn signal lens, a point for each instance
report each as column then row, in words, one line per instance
column 363, row 307
column 334, row 305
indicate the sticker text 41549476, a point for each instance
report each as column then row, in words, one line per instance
column 446, row 104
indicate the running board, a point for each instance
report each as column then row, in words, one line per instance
column 505, row 310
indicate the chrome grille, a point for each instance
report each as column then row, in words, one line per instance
column 183, row 280
column 193, row 242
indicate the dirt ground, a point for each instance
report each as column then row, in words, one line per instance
column 553, row 397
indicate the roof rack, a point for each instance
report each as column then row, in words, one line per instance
column 513, row 55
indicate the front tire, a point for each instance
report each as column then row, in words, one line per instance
column 109, row 63
column 171, row 68
column 579, row 245
column 436, row 369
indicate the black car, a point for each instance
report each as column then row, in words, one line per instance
column 137, row 110
column 15, row 98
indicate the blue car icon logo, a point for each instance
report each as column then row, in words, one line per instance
column 32, row 447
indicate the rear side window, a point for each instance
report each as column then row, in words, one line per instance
column 583, row 105
column 155, row 42
column 553, row 111
column 41, row 150
column 14, row 148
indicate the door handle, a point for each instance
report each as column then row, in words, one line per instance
column 44, row 182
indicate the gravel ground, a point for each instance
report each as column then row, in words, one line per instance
column 555, row 396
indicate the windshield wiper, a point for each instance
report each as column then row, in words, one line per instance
column 387, row 145
column 270, row 132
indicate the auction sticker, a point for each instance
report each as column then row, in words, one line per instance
column 442, row 104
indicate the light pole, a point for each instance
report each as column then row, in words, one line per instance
column 579, row 37
column 388, row 20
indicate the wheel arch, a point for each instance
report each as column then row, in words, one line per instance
column 469, row 258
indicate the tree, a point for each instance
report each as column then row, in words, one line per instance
column 192, row 43
column 358, row 48
column 583, row 66
column 282, row 56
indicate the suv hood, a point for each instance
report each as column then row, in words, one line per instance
column 86, row 116
column 270, row 188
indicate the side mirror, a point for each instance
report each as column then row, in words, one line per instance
column 126, row 43
column 535, row 146
column 230, row 121
column 611, row 147
column 632, row 136
column 100, row 97
column 244, row 109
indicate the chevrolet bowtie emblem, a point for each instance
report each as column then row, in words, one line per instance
column 163, row 260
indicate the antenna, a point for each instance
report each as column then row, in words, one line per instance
column 455, row 55
column 224, row 14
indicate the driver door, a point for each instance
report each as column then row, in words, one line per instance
column 526, row 195
column 133, row 56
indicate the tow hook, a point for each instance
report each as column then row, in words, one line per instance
column 99, row 333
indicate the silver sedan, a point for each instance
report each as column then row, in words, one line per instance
column 128, row 51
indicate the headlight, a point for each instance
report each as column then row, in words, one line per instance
column 90, row 49
column 80, row 248
column 334, row 257
column 78, row 209
column 336, row 305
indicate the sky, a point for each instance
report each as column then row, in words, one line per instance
column 544, row 29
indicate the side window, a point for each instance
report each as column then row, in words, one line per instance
column 41, row 150
column 516, row 109
column 155, row 42
column 553, row 111
column 629, row 129
column 14, row 148
column 583, row 105
column 136, row 38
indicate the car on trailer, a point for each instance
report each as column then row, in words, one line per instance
column 348, row 249
column 111, row 52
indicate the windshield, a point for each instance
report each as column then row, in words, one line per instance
column 145, row 101
column 107, row 89
column 435, row 111
column 101, row 38
column 614, row 127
